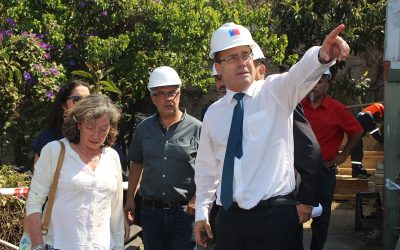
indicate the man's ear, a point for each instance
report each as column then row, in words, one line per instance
column 263, row 70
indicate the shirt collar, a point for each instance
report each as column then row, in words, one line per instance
column 324, row 104
column 250, row 91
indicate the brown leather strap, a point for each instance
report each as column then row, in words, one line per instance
column 53, row 189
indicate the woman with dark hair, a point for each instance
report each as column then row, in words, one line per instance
column 87, row 211
column 70, row 93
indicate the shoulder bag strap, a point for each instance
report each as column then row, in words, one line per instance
column 53, row 189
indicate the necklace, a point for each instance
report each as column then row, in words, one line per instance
column 89, row 157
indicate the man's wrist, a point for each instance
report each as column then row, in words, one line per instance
column 322, row 60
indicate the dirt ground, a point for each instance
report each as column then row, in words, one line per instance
column 342, row 235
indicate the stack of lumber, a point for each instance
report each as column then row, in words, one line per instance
column 347, row 187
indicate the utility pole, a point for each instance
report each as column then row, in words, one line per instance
column 391, row 222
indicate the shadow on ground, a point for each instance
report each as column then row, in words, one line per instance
column 342, row 236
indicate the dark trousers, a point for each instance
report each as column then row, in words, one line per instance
column 269, row 228
column 167, row 229
column 320, row 224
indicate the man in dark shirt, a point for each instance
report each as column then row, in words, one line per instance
column 162, row 153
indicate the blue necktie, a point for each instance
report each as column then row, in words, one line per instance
column 233, row 148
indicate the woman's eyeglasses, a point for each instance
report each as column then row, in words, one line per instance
column 75, row 98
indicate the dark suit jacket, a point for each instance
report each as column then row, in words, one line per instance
column 307, row 158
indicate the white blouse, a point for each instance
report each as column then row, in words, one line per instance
column 88, row 209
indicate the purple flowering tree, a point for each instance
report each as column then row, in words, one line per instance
column 29, row 80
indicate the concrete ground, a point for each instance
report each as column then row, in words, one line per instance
column 342, row 235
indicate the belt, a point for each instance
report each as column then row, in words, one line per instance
column 164, row 204
column 279, row 200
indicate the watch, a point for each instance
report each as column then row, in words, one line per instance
column 39, row 247
column 323, row 61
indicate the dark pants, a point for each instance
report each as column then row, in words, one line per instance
column 320, row 224
column 167, row 229
column 357, row 154
column 270, row 228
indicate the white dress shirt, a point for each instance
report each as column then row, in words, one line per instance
column 266, row 167
column 87, row 212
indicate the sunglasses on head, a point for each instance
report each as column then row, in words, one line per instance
column 75, row 98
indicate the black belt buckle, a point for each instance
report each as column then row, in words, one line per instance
column 166, row 205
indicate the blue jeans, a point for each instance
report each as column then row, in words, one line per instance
column 167, row 229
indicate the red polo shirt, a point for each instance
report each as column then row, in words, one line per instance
column 329, row 122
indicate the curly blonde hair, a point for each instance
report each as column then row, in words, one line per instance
column 89, row 109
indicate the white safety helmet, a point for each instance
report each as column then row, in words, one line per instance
column 257, row 53
column 228, row 36
column 164, row 76
column 214, row 71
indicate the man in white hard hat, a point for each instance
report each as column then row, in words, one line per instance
column 330, row 120
column 162, row 152
column 250, row 165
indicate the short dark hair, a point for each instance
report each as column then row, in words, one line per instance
column 89, row 109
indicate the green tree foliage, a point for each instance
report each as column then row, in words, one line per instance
column 122, row 41
column 116, row 44
column 306, row 23
column 28, row 82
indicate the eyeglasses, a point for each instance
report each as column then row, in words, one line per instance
column 75, row 98
column 169, row 94
column 235, row 58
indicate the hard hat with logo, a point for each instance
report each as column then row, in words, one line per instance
column 228, row 36
column 164, row 76
column 257, row 53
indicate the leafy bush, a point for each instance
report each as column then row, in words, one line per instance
column 12, row 207
column 29, row 80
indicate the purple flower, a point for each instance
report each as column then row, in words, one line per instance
column 50, row 94
column 11, row 22
column 46, row 73
column 24, row 33
column 27, row 76
column 71, row 62
column 40, row 36
column 82, row 4
column 47, row 56
column 44, row 45
column 38, row 67
column 68, row 46
column 104, row 13
column 8, row 33
column 54, row 71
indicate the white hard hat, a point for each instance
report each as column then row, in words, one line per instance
column 164, row 76
column 214, row 71
column 257, row 53
column 228, row 36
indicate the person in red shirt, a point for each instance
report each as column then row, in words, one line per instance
column 368, row 118
column 329, row 120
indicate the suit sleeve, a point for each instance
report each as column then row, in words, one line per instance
column 307, row 158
